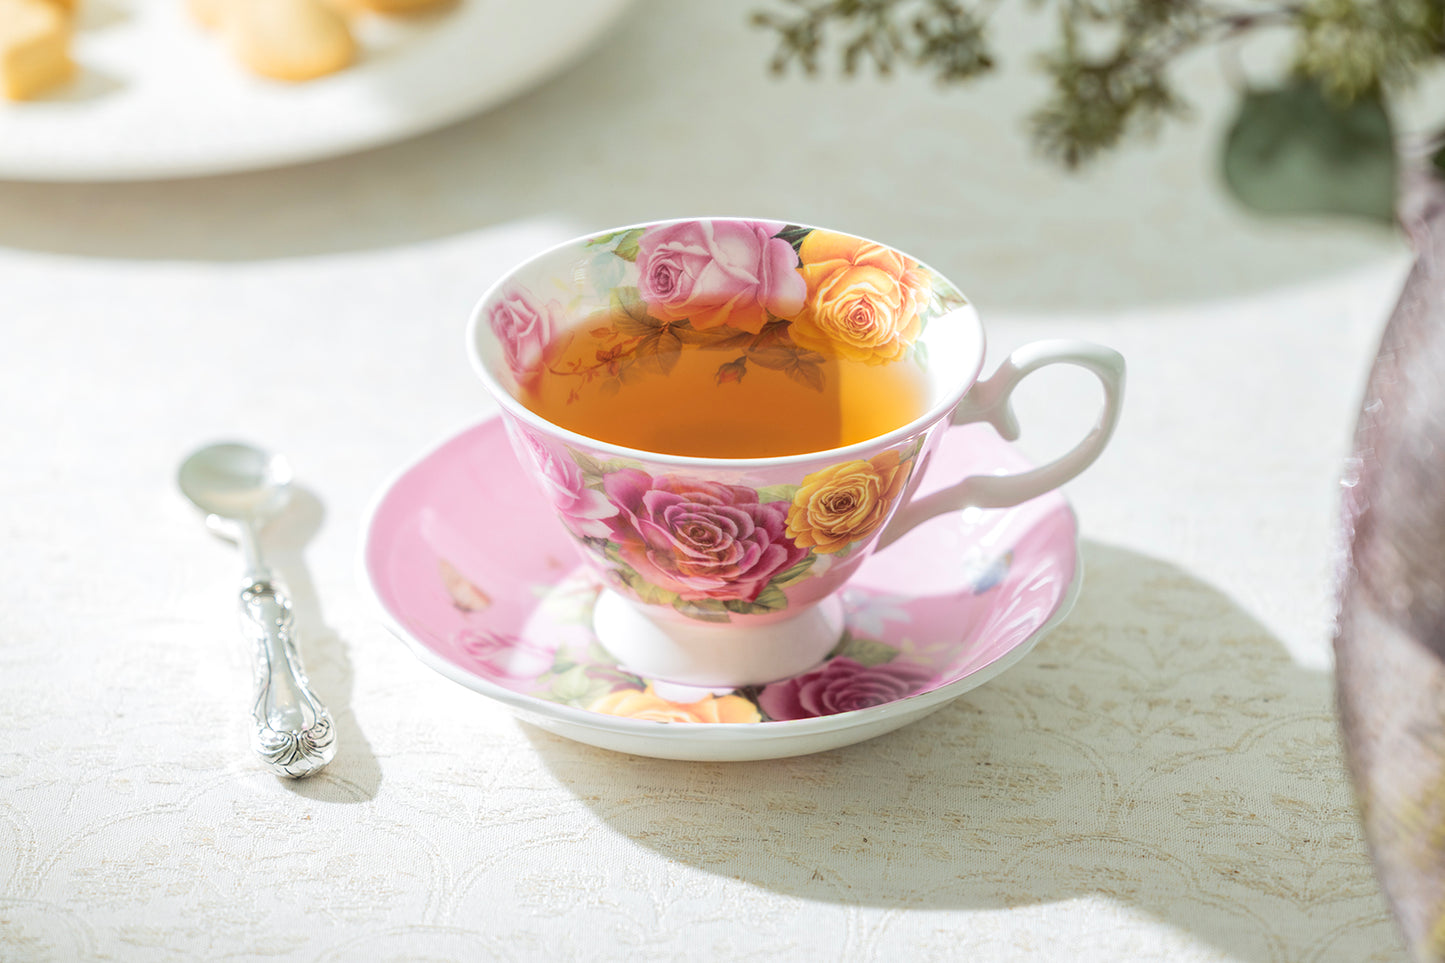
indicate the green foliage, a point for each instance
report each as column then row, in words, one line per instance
column 867, row 652
column 1109, row 73
column 797, row 573
column 1097, row 99
column 573, row 686
column 1356, row 47
column 945, row 36
column 781, row 493
column 772, row 348
column 1292, row 150
column 622, row 243
column 770, row 599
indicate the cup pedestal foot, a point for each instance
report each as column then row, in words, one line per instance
column 716, row 654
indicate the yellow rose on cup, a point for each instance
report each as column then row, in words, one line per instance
column 863, row 299
column 841, row 504
column 646, row 704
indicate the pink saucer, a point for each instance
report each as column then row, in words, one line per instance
column 469, row 567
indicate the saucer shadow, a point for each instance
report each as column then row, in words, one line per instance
column 1159, row 751
column 354, row 775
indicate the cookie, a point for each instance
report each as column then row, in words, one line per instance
column 207, row 13
column 287, row 39
column 34, row 48
column 389, row 7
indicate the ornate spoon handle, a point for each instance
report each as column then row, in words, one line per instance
column 292, row 731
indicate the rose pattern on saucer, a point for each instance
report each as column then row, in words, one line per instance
column 841, row 685
column 766, row 294
column 462, row 575
column 571, row 668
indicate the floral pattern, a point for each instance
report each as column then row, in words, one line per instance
column 864, row 299
column 715, row 273
column 573, row 669
column 505, row 657
column 647, row 704
column 584, row 510
column 844, row 503
column 527, row 328
column 762, row 294
column 709, row 549
column 842, row 685
column 698, row 539
column 715, row 546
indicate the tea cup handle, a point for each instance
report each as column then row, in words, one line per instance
column 989, row 401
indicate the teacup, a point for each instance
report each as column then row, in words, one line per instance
column 724, row 571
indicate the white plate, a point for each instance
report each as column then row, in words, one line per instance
column 156, row 96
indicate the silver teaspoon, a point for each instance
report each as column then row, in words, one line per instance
column 239, row 487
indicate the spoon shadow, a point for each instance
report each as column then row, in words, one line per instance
column 354, row 775
column 1159, row 751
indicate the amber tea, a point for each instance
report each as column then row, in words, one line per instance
column 671, row 389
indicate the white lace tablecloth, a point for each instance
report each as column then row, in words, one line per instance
column 1160, row 779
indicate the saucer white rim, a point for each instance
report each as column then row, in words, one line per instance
column 680, row 733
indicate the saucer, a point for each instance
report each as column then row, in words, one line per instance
column 469, row 566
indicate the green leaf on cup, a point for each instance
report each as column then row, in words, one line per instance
column 794, row 235
column 592, row 469
column 780, row 493
column 704, row 610
column 798, row 572
column 722, row 338
column 914, row 447
column 806, row 373
column 643, row 589
column 618, row 464
column 1292, row 150
column 631, row 312
column 659, row 351
column 920, row 354
column 627, row 244
column 770, row 599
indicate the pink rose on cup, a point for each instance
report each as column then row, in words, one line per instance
column 526, row 328
column 842, row 685
column 719, row 272
column 582, row 509
column 701, row 540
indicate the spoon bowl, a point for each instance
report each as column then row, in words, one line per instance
column 236, row 481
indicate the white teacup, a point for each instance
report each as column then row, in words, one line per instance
column 724, row 571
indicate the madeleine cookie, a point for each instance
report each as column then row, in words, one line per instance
column 34, row 48
column 288, row 39
column 207, row 13
column 388, row 6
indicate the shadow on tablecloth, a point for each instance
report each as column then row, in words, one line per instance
column 354, row 775
column 1159, row 752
